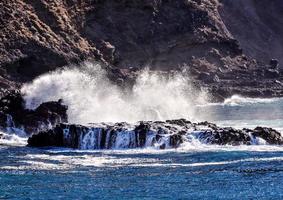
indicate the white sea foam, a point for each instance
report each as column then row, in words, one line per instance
column 111, row 159
column 91, row 97
column 237, row 100
column 63, row 162
column 12, row 139
column 201, row 164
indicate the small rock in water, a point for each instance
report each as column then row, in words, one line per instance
column 274, row 64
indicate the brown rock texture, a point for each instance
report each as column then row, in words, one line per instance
column 223, row 46
column 38, row 36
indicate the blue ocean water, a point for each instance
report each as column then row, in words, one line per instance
column 189, row 172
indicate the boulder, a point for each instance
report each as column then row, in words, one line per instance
column 274, row 64
column 269, row 135
column 225, row 136
column 14, row 114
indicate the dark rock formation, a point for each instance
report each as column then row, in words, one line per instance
column 268, row 134
column 49, row 138
column 225, row 136
column 14, row 114
column 274, row 63
column 202, row 36
column 169, row 134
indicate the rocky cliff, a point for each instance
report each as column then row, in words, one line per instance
column 257, row 25
column 225, row 47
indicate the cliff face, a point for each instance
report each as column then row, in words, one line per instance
column 38, row 36
column 160, row 34
column 203, row 36
column 257, row 25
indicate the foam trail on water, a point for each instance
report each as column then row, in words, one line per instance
column 92, row 97
column 237, row 100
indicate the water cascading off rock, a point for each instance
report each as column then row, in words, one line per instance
column 168, row 134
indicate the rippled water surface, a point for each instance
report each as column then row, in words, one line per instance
column 189, row 172
column 143, row 174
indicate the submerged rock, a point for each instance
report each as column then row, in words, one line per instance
column 169, row 134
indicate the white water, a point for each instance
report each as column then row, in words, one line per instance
column 109, row 159
column 12, row 136
column 238, row 100
column 91, row 97
column 12, row 139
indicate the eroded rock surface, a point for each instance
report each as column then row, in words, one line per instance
column 168, row 134
column 202, row 36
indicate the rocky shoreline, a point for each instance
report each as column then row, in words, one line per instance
column 158, row 134
column 206, row 40
column 47, row 126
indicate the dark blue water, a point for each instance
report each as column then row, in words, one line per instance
column 146, row 174
column 193, row 171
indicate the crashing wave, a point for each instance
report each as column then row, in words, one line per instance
column 237, row 100
column 92, row 97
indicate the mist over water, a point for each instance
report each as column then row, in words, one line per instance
column 92, row 97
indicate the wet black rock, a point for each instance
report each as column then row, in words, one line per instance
column 14, row 114
column 225, row 136
column 52, row 137
column 169, row 134
column 175, row 140
column 269, row 135
column 274, row 64
column 142, row 130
